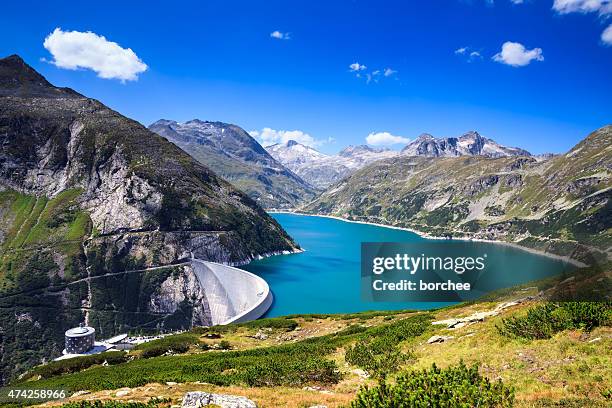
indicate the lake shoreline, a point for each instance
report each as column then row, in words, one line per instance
column 566, row 259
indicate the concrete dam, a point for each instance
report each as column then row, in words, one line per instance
column 233, row 295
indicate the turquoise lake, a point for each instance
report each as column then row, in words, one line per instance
column 326, row 277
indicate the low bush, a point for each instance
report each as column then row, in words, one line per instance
column 377, row 357
column 76, row 364
column 270, row 323
column 455, row 386
column 291, row 364
column 153, row 403
column 175, row 344
column 224, row 345
column 270, row 373
column 371, row 314
column 543, row 321
column 379, row 353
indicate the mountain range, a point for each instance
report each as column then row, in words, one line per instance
column 561, row 205
column 322, row 170
column 99, row 218
column 234, row 155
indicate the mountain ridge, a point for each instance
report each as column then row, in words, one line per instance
column 321, row 170
column 469, row 144
column 237, row 157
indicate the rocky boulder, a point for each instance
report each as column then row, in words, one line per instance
column 198, row 399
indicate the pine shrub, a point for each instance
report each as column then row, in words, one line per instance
column 379, row 352
column 455, row 386
column 544, row 321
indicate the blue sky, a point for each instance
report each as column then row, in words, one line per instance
column 217, row 60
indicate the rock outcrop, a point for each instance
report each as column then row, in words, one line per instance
column 469, row 144
column 198, row 399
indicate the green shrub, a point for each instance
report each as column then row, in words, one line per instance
column 543, row 321
column 353, row 329
column 76, row 364
column 291, row 364
column 224, row 345
column 270, row 373
column 588, row 315
column 175, row 344
column 279, row 323
column 379, row 352
column 457, row 386
column 153, row 403
column 377, row 356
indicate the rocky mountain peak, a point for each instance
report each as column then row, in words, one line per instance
column 197, row 122
column 352, row 150
column 164, row 122
column 472, row 135
column 425, row 136
column 14, row 69
column 19, row 79
column 469, row 144
column 291, row 143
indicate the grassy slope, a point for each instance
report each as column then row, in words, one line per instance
column 571, row 368
column 34, row 222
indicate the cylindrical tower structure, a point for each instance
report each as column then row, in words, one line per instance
column 80, row 340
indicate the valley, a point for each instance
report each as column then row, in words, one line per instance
column 81, row 196
column 98, row 227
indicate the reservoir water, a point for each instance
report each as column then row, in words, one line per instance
column 326, row 277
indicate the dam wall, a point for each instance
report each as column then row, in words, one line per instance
column 233, row 295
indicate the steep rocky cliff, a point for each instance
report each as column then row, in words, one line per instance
column 98, row 218
column 562, row 205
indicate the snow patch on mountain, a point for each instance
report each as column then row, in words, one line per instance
column 322, row 170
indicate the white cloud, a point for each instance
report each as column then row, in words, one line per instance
column 468, row 53
column 602, row 7
column 268, row 136
column 517, row 1
column 361, row 71
column 389, row 72
column 279, row 35
column 385, row 139
column 516, row 55
column 74, row 50
column 356, row 67
column 606, row 36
